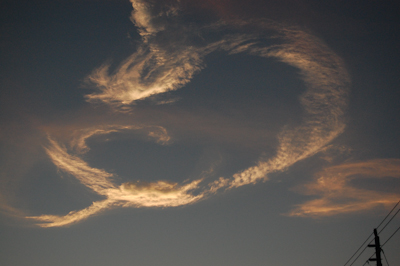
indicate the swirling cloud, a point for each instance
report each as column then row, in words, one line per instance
column 156, row 68
column 168, row 57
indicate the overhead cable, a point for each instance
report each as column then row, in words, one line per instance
column 355, row 253
column 388, row 214
column 385, row 257
column 358, row 250
column 390, row 220
column 391, row 236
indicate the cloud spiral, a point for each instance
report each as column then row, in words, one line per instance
column 168, row 57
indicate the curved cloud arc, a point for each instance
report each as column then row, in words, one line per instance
column 159, row 66
column 129, row 194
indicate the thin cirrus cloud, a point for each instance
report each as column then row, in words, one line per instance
column 163, row 64
column 129, row 194
column 78, row 142
column 336, row 194
column 168, row 57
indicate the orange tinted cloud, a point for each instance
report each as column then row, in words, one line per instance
column 337, row 195
column 130, row 194
column 159, row 66
column 156, row 68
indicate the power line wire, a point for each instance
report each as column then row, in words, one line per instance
column 360, row 254
column 371, row 256
column 371, row 235
column 381, row 247
column 385, row 257
column 391, row 236
column 358, row 250
column 390, row 220
column 388, row 214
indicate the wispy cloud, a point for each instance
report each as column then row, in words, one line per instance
column 149, row 71
column 324, row 101
column 170, row 54
column 336, row 194
column 130, row 194
column 161, row 66
column 78, row 142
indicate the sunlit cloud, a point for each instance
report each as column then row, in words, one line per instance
column 96, row 179
column 149, row 16
column 7, row 209
column 157, row 68
column 325, row 102
column 78, row 142
column 336, row 194
column 71, row 217
column 129, row 194
column 168, row 57
column 148, row 72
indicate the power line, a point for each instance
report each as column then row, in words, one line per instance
column 355, row 253
column 388, row 215
column 391, row 236
column 367, row 262
column 385, row 257
column 358, row 250
column 369, row 258
column 360, row 254
column 381, row 247
column 390, row 220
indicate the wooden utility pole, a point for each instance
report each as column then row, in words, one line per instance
column 377, row 247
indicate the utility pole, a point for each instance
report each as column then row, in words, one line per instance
column 377, row 247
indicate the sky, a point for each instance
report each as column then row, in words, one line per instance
column 186, row 132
